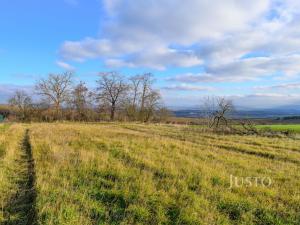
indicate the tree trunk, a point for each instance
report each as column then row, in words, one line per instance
column 57, row 110
column 142, row 109
column 112, row 112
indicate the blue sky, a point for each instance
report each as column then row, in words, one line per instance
column 248, row 51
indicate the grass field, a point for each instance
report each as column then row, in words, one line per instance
column 278, row 127
column 144, row 174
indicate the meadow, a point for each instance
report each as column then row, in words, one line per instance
column 281, row 127
column 126, row 173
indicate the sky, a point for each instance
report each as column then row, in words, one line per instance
column 248, row 51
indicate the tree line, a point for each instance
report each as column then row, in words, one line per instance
column 58, row 97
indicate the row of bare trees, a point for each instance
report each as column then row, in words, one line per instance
column 115, row 97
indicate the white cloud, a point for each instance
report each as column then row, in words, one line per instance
column 140, row 28
column 188, row 87
column 65, row 66
column 233, row 41
column 196, row 77
column 88, row 48
column 266, row 100
column 8, row 90
column 285, row 87
column 244, row 70
column 158, row 59
column 183, row 23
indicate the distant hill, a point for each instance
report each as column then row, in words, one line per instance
column 244, row 113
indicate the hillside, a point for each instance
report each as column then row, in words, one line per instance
column 112, row 173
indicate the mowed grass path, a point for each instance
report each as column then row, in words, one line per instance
column 155, row 174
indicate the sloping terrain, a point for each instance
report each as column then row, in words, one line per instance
column 157, row 174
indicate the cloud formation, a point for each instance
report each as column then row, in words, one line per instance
column 219, row 41
column 286, row 87
column 266, row 100
column 150, row 34
column 188, row 87
column 8, row 90
column 65, row 66
column 245, row 70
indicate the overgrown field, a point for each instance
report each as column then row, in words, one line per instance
column 145, row 174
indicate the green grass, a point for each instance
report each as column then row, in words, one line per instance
column 279, row 127
column 160, row 174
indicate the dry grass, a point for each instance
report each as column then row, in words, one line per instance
column 160, row 174
column 13, row 174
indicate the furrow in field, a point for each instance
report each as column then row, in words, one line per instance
column 210, row 166
column 188, row 134
column 231, row 146
column 20, row 209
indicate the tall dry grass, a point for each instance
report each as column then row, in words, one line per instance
column 161, row 174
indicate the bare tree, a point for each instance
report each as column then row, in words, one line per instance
column 135, row 87
column 208, row 108
column 81, row 100
column 220, row 115
column 21, row 102
column 248, row 127
column 131, row 105
column 56, row 89
column 147, row 81
column 143, row 99
column 111, row 90
column 163, row 114
column 151, row 104
column 216, row 110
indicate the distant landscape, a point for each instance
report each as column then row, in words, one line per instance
column 150, row 112
column 279, row 113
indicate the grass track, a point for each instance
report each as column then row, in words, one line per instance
column 17, row 178
column 23, row 202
